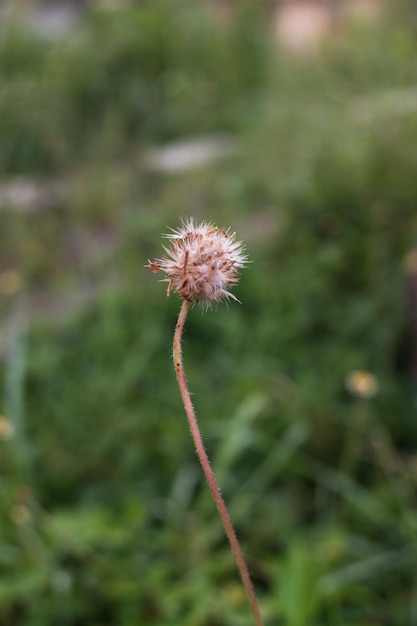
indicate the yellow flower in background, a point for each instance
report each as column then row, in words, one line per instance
column 6, row 429
column 362, row 384
column 10, row 282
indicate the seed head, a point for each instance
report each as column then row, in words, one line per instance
column 201, row 263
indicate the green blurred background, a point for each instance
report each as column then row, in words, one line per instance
column 306, row 392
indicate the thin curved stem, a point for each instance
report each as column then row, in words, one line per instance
column 202, row 455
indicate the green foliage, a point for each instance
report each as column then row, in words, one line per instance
column 150, row 72
column 105, row 517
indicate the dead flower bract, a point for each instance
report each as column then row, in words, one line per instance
column 202, row 262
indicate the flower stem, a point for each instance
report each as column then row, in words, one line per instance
column 202, row 455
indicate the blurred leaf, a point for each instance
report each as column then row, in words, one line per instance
column 297, row 588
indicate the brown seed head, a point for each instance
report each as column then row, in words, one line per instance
column 201, row 262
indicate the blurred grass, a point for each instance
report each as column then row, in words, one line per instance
column 106, row 519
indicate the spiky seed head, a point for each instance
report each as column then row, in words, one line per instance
column 201, row 263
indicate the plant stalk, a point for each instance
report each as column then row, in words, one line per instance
column 208, row 472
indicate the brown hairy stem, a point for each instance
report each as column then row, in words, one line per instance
column 202, row 455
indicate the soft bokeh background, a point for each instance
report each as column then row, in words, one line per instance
column 296, row 125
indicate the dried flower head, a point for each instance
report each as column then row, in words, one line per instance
column 202, row 262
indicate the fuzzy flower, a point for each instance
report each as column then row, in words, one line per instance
column 202, row 262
